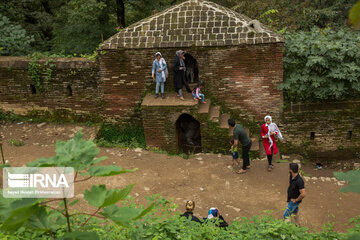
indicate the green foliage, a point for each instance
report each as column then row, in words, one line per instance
column 14, row 40
column 112, row 135
column 162, row 221
column 37, row 215
column 81, row 25
column 16, row 142
column 294, row 15
column 99, row 197
column 321, row 65
column 352, row 178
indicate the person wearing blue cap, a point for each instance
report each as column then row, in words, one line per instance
column 213, row 215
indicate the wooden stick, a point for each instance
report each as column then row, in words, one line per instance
column 2, row 153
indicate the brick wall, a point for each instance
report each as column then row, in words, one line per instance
column 78, row 74
column 330, row 123
column 160, row 128
column 245, row 78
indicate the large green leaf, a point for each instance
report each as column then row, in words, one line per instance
column 44, row 162
column 8, row 205
column 77, row 235
column 99, row 197
column 124, row 215
column 355, row 236
column 18, row 218
column 39, row 220
column 107, row 170
column 352, row 178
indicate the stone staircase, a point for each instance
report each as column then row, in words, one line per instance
column 215, row 116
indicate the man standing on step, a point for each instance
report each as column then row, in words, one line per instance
column 240, row 135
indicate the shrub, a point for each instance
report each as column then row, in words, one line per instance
column 321, row 65
column 13, row 40
column 38, row 220
column 111, row 135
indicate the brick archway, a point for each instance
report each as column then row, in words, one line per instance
column 188, row 135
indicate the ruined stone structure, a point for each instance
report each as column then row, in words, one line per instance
column 238, row 58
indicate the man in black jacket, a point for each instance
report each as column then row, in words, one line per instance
column 190, row 206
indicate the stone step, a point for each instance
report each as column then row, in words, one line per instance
column 255, row 143
column 224, row 120
column 204, row 107
column 214, row 113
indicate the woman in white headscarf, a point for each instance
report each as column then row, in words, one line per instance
column 159, row 73
column 268, row 132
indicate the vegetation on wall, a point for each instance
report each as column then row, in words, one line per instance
column 111, row 135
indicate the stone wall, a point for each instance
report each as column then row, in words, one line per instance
column 331, row 127
column 245, row 78
column 72, row 85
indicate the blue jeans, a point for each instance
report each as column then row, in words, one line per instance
column 292, row 208
column 200, row 95
column 157, row 88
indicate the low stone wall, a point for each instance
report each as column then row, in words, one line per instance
column 70, row 84
column 331, row 127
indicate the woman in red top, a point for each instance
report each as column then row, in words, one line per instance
column 268, row 132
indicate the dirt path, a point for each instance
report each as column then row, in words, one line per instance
column 205, row 178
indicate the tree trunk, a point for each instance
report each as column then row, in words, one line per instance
column 120, row 13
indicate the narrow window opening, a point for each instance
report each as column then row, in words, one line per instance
column 312, row 135
column 32, row 89
column 349, row 135
column 69, row 90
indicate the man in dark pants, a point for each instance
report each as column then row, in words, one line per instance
column 296, row 192
column 239, row 135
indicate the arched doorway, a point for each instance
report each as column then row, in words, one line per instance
column 188, row 134
column 192, row 70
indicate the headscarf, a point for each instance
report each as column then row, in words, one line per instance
column 182, row 63
column 272, row 127
column 213, row 213
column 162, row 62
column 179, row 53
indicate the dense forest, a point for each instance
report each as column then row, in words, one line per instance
column 321, row 53
column 79, row 26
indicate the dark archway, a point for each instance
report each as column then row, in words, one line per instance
column 192, row 70
column 188, row 134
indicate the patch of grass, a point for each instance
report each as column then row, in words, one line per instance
column 128, row 136
column 302, row 173
column 15, row 142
